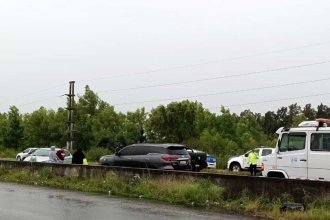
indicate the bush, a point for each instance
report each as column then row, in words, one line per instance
column 7, row 152
column 95, row 153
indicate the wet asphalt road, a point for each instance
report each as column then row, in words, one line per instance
column 28, row 202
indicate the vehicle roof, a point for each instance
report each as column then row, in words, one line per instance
column 48, row 148
column 309, row 129
column 164, row 145
column 265, row 147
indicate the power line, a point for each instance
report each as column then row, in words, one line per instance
column 276, row 100
column 209, row 62
column 34, row 93
column 217, row 77
column 37, row 101
column 202, row 95
column 180, row 67
column 226, row 92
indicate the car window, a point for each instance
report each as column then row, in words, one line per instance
column 67, row 153
column 265, row 152
column 247, row 153
column 42, row 152
column 320, row 142
column 141, row 150
column 129, row 150
column 157, row 150
column 177, row 151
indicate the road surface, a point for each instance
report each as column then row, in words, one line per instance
column 29, row 202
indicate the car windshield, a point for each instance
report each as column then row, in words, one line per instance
column 177, row 150
column 26, row 150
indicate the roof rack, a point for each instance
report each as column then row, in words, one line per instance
column 322, row 122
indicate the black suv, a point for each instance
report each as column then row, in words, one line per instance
column 157, row 156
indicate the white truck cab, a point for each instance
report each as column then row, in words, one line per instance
column 301, row 153
column 238, row 163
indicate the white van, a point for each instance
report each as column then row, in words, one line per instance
column 301, row 153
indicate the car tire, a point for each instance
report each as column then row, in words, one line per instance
column 235, row 167
column 18, row 158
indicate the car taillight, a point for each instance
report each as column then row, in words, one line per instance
column 169, row 158
column 262, row 166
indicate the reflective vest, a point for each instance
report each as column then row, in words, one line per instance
column 253, row 158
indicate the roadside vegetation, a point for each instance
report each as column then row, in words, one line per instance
column 189, row 192
column 100, row 129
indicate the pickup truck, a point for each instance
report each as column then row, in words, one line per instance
column 239, row 163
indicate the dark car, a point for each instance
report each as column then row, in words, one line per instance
column 157, row 156
column 198, row 159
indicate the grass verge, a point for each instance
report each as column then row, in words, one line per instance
column 188, row 191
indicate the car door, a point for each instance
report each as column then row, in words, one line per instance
column 263, row 152
column 292, row 155
column 245, row 160
column 124, row 156
column 141, row 159
column 318, row 156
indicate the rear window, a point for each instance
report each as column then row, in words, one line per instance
column 177, row 151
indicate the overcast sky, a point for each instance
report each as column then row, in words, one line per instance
column 256, row 54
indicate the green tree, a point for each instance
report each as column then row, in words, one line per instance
column 105, row 127
column 177, row 122
column 309, row 112
column 226, row 124
column 13, row 137
column 3, row 126
column 87, row 107
column 270, row 123
column 44, row 128
column 294, row 111
column 133, row 127
column 249, row 130
column 282, row 117
column 322, row 111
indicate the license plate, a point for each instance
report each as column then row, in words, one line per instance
column 183, row 162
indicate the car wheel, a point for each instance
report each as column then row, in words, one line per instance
column 18, row 158
column 235, row 167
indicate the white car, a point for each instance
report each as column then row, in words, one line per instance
column 20, row 156
column 42, row 155
column 239, row 163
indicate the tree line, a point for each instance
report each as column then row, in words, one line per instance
column 98, row 125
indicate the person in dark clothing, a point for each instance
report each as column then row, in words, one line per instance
column 60, row 154
column 78, row 156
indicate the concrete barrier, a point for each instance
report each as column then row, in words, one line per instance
column 234, row 185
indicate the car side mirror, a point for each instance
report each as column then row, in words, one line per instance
column 246, row 155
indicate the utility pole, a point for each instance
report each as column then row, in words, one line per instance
column 71, row 109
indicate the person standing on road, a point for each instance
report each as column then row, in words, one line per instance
column 253, row 160
column 52, row 155
column 78, row 157
column 60, row 154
